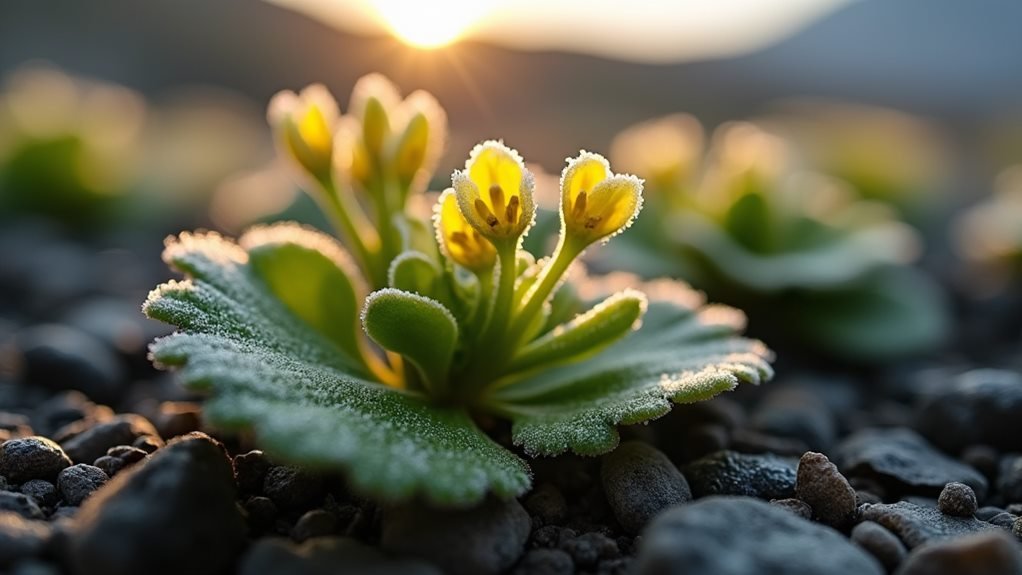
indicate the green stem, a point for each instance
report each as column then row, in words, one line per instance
column 565, row 253
column 480, row 369
column 351, row 223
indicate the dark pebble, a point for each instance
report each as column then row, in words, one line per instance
column 902, row 457
column 547, row 503
column 985, row 513
column 66, row 408
column 822, row 486
column 1015, row 508
column 60, row 357
column 109, row 465
column 175, row 514
column 484, row 540
column 1016, row 528
column 545, row 562
column 31, row 458
column 1004, row 520
column 980, row 406
column 315, row 523
column 178, row 418
column 589, row 549
column 325, row 556
column 78, row 482
column 881, row 543
column 148, row 443
column 916, row 525
column 639, row 481
column 744, row 536
column 1009, row 478
column 863, row 497
column 293, row 488
column 93, row 443
column 21, row 538
column 250, row 471
column 979, row 554
column 957, row 499
column 261, row 512
column 796, row 506
column 21, row 504
column 127, row 453
column 551, row 536
column 44, row 492
column 731, row 473
column 796, row 412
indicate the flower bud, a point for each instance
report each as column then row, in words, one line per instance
column 304, row 125
column 495, row 192
column 595, row 203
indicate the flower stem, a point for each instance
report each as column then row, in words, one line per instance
column 538, row 294
column 351, row 223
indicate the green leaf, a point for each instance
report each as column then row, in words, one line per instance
column 892, row 313
column 414, row 272
column 316, row 279
column 685, row 351
column 271, row 372
column 585, row 335
column 420, row 329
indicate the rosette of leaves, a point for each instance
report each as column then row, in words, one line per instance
column 390, row 354
column 805, row 254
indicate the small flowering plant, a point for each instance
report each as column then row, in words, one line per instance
column 392, row 354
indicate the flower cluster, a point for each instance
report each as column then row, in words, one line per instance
column 470, row 273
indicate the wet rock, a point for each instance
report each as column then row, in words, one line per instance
column 31, row 458
column 325, row 556
column 1009, row 478
column 78, row 482
column 60, row 357
column 547, row 503
column 796, row 506
column 822, row 486
column 957, row 499
column 731, row 473
column 292, row 488
column 881, row 543
column 44, row 492
column 315, row 523
column 21, row 538
column 250, row 471
column 176, row 514
column 639, row 482
column 916, row 525
column 21, row 504
column 979, row 554
column 980, row 406
column 796, row 412
column 484, row 540
column 739, row 536
column 545, row 562
column 902, row 458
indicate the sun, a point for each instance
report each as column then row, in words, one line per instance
column 430, row 24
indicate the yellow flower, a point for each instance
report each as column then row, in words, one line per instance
column 458, row 240
column 304, row 125
column 384, row 134
column 596, row 203
column 495, row 192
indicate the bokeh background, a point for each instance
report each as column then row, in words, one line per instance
column 148, row 117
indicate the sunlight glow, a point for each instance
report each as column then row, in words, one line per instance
column 430, row 24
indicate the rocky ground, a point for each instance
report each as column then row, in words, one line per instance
column 106, row 467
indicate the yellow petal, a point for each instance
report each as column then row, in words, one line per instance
column 595, row 203
column 458, row 240
column 495, row 192
column 581, row 175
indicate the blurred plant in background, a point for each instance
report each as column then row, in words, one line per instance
column 989, row 235
column 68, row 147
column 805, row 253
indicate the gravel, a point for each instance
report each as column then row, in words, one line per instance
column 881, row 543
column 485, row 540
column 78, row 482
column 822, row 486
column 916, row 525
column 982, row 406
column 93, row 442
column 743, row 536
column 639, row 482
column 732, row 473
column 957, row 499
column 31, row 458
